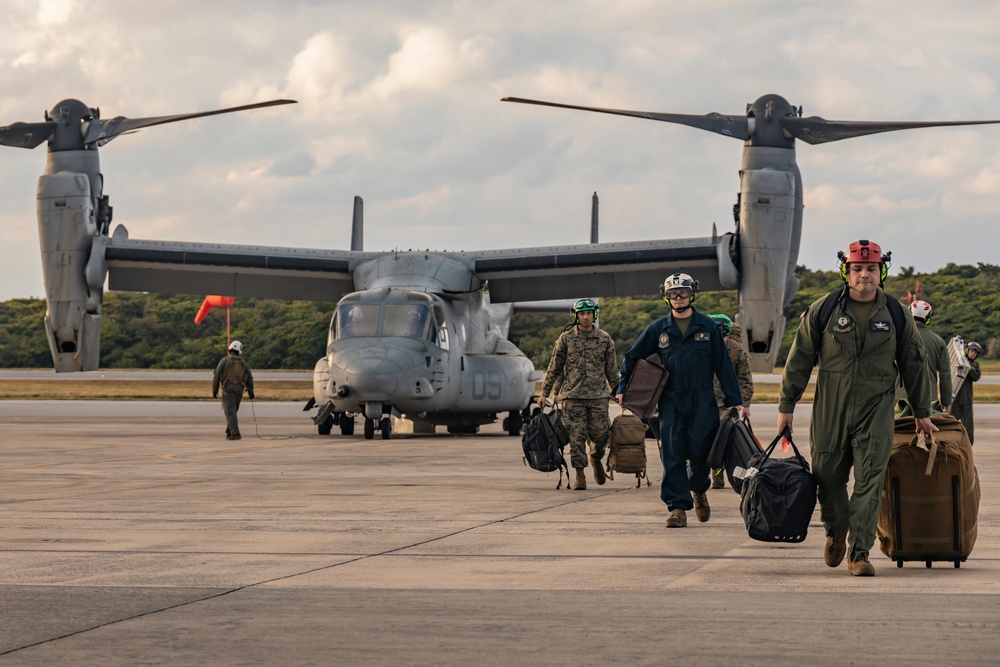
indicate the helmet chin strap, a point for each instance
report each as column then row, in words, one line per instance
column 682, row 308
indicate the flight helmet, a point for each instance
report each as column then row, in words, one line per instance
column 677, row 282
column 921, row 310
column 585, row 304
column 973, row 346
column 864, row 251
column 725, row 324
column 236, row 346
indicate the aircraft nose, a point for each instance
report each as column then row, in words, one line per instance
column 374, row 372
column 370, row 379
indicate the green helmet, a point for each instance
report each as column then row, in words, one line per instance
column 724, row 323
column 584, row 304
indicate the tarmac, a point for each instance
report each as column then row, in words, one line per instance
column 134, row 533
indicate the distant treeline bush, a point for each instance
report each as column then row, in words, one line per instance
column 158, row 331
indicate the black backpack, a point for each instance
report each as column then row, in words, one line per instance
column 541, row 447
column 896, row 312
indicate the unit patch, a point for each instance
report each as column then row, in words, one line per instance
column 843, row 323
column 664, row 341
column 880, row 325
column 702, row 336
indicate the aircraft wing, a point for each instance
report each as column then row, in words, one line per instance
column 604, row 269
column 233, row 270
column 518, row 274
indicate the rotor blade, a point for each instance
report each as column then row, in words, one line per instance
column 103, row 131
column 816, row 130
column 26, row 135
column 729, row 126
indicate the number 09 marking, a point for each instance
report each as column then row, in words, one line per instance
column 487, row 384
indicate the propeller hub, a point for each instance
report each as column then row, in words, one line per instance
column 765, row 115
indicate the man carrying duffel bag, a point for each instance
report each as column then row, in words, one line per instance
column 858, row 336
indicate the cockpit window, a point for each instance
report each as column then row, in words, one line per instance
column 357, row 319
column 407, row 319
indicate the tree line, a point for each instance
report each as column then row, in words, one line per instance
column 158, row 331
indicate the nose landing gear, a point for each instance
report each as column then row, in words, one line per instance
column 384, row 426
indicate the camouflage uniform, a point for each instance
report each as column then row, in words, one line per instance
column 962, row 407
column 741, row 362
column 585, row 367
column 234, row 376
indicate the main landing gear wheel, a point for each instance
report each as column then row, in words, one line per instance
column 346, row 425
column 386, row 427
column 512, row 424
column 325, row 426
column 369, row 429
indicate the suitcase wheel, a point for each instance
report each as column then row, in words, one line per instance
column 928, row 561
column 958, row 564
column 899, row 563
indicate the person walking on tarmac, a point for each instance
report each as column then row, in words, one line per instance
column 859, row 336
column 733, row 336
column 691, row 348
column 961, row 409
column 938, row 364
column 585, row 365
column 234, row 376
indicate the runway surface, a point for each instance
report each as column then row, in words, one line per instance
column 133, row 533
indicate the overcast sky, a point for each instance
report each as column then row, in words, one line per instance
column 399, row 103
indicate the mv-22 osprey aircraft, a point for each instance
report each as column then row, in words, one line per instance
column 420, row 334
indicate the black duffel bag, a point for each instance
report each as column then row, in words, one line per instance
column 778, row 496
column 542, row 448
column 733, row 447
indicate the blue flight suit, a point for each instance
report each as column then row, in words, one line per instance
column 689, row 416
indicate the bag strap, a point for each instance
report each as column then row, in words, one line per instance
column 786, row 434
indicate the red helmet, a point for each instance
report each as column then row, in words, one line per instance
column 864, row 251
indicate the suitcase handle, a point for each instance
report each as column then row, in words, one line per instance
column 932, row 449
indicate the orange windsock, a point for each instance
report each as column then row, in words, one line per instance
column 211, row 302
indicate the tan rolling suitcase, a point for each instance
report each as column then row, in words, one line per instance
column 930, row 501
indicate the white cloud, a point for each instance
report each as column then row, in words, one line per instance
column 399, row 102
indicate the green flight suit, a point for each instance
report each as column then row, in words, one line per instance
column 938, row 371
column 961, row 408
column 852, row 417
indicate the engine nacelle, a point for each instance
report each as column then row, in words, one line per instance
column 73, row 268
column 769, row 206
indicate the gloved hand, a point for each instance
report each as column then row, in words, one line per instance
column 250, row 394
column 215, row 394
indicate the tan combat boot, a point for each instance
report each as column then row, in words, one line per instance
column 834, row 550
column 701, row 508
column 861, row 567
column 581, row 480
column 599, row 475
column 677, row 519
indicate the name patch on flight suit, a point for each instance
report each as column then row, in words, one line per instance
column 701, row 335
column 843, row 323
column 664, row 341
column 879, row 325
